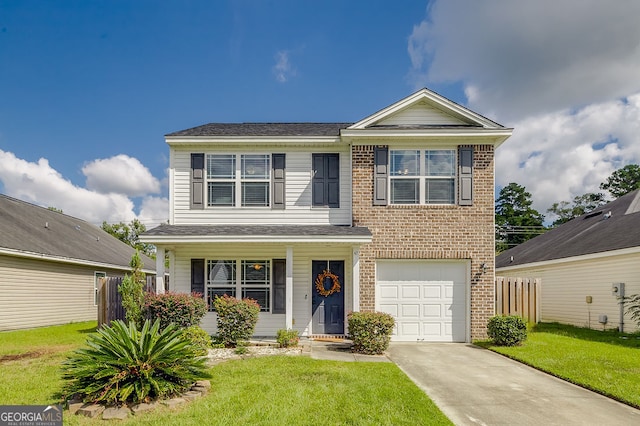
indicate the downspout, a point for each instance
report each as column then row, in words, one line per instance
column 621, row 297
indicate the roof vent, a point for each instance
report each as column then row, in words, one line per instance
column 46, row 225
column 593, row 214
column 607, row 215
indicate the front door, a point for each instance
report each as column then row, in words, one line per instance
column 327, row 283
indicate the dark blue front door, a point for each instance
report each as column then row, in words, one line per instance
column 328, row 311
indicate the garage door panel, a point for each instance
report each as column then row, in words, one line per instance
column 389, row 291
column 432, row 310
column 410, row 291
column 410, row 311
column 390, row 308
column 431, row 292
column 426, row 298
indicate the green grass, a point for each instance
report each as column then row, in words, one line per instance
column 604, row 361
column 263, row 391
column 30, row 362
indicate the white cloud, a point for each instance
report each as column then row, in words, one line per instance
column 563, row 73
column 154, row 211
column 283, row 69
column 120, row 174
column 520, row 58
column 39, row 183
column 559, row 155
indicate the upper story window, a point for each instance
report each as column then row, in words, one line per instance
column 235, row 180
column 422, row 176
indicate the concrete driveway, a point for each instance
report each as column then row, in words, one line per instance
column 474, row 386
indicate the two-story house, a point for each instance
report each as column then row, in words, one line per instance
column 393, row 213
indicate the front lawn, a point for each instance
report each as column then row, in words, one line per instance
column 605, row 362
column 267, row 390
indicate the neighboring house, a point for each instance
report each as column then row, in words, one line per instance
column 580, row 261
column 394, row 211
column 51, row 263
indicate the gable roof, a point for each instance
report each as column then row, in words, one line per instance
column 28, row 230
column 451, row 113
column 426, row 114
column 422, row 114
column 613, row 226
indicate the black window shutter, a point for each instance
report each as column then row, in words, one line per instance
column 197, row 276
column 197, row 181
column 278, row 164
column 279, row 287
column 380, row 175
column 326, row 180
column 465, row 176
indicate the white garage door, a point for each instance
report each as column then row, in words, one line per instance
column 427, row 299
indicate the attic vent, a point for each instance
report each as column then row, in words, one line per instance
column 594, row 214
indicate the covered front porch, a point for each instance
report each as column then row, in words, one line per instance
column 305, row 278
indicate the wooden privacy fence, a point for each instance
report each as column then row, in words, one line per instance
column 518, row 296
column 110, row 301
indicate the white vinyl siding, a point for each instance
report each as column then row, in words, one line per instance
column 298, row 209
column 36, row 293
column 421, row 114
column 303, row 254
column 565, row 287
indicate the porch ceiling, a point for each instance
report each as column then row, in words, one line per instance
column 257, row 233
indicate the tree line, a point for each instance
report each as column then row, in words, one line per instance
column 517, row 221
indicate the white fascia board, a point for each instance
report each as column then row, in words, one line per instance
column 67, row 260
column 259, row 140
column 256, row 239
column 585, row 257
column 475, row 135
column 444, row 104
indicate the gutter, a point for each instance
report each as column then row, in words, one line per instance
column 68, row 260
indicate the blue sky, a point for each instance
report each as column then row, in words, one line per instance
column 89, row 88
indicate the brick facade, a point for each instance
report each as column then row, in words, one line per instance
column 430, row 232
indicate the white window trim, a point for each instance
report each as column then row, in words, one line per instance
column 422, row 177
column 238, row 180
column 239, row 279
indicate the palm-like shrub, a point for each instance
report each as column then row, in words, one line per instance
column 125, row 365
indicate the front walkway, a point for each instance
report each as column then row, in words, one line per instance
column 340, row 351
column 474, row 386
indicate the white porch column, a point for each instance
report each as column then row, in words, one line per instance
column 159, row 270
column 355, row 274
column 288, row 316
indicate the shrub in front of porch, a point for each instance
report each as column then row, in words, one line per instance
column 370, row 332
column 182, row 309
column 125, row 364
column 237, row 319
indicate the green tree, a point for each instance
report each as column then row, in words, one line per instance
column 55, row 209
column 622, row 181
column 130, row 234
column 516, row 220
column 565, row 211
column 132, row 291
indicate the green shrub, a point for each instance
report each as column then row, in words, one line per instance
column 125, row 365
column 132, row 293
column 237, row 319
column 182, row 309
column 199, row 338
column 370, row 331
column 288, row 338
column 507, row 330
column 632, row 305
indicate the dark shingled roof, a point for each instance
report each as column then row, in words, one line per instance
column 264, row 129
column 258, row 230
column 613, row 226
column 29, row 228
